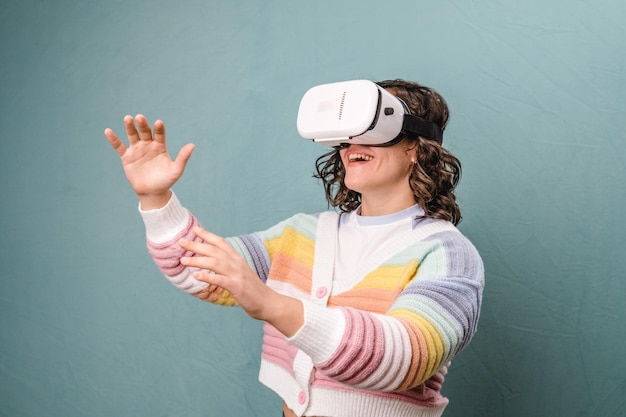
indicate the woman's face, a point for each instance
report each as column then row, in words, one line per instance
column 379, row 172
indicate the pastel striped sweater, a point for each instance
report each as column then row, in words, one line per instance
column 379, row 348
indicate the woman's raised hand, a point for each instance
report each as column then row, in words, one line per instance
column 147, row 164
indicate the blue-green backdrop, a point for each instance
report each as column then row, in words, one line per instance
column 537, row 91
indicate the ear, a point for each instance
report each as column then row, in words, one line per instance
column 412, row 151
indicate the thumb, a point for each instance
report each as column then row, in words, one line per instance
column 183, row 155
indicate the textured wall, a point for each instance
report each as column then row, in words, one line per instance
column 536, row 89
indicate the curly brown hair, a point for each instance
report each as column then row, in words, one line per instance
column 435, row 174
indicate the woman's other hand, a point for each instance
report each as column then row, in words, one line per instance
column 222, row 266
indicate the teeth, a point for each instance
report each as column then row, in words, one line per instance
column 359, row 157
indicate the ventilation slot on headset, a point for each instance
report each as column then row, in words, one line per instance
column 343, row 99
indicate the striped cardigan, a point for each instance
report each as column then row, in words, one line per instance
column 379, row 349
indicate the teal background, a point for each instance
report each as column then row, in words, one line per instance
column 537, row 89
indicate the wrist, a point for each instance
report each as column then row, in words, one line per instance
column 154, row 201
column 285, row 313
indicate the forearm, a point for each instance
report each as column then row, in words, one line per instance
column 162, row 243
column 165, row 226
column 355, row 347
column 285, row 313
column 395, row 351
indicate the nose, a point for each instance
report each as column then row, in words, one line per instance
column 342, row 146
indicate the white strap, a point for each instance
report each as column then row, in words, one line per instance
column 325, row 252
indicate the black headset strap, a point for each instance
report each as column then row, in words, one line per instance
column 417, row 126
column 414, row 124
column 422, row 127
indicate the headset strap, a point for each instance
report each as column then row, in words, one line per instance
column 422, row 127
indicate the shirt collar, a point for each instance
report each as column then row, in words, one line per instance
column 412, row 212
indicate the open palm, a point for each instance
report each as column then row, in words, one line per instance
column 146, row 161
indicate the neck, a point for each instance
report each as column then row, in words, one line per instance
column 387, row 204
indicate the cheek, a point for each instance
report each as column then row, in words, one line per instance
column 403, row 164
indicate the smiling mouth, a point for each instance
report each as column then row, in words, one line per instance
column 356, row 157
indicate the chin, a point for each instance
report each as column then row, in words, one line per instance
column 353, row 185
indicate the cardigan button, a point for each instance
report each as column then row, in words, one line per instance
column 321, row 292
column 302, row 397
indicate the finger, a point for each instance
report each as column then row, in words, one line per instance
column 159, row 131
column 201, row 262
column 131, row 130
column 210, row 278
column 145, row 131
column 115, row 142
column 198, row 248
column 204, row 256
column 183, row 156
column 213, row 239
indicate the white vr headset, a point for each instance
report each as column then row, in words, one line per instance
column 359, row 112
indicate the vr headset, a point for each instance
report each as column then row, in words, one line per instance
column 359, row 112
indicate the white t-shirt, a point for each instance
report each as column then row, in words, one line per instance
column 360, row 237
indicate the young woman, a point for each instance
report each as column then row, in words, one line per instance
column 365, row 306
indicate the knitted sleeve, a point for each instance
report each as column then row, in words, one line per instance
column 433, row 316
column 166, row 226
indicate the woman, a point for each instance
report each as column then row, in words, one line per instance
column 363, row 309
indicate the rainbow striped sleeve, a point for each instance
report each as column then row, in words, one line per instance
column 166, row 226
column 283, row 254
column 407, row 320
column 289, row 249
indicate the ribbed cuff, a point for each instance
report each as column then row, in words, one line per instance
column 165, row 223
column 321, row 333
